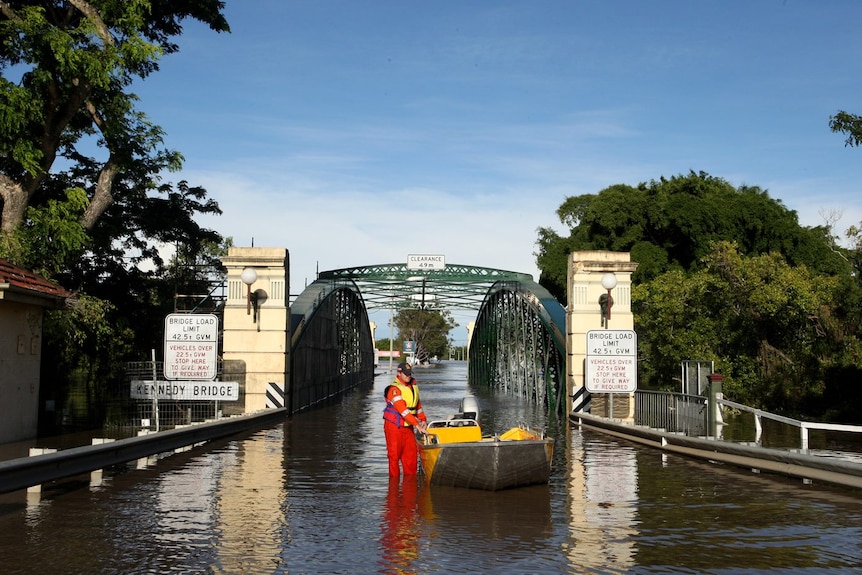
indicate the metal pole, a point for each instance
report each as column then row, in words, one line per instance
column 155, row 392
column 609, row 282
column 391, row 330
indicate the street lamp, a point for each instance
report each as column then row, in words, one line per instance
column 609, row 282
column 248, row 277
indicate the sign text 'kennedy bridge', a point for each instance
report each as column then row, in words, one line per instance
column 185, row 390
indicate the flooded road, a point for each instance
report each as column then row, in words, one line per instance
column 312, row 495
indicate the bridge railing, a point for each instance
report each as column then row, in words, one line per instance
column 804, row 426
column 689, row 415
column 671, row 411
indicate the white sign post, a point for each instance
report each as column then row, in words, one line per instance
column 611, row 361
column 191, row 346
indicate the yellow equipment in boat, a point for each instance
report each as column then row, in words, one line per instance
column 455, row 431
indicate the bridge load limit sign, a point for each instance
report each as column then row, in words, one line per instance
column 191, row 346
column 611, row 361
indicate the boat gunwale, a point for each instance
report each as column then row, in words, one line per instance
column 489, row 441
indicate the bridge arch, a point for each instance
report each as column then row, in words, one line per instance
column 517, row 345
column 331, row 345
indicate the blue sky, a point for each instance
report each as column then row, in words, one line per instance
column 355, row 133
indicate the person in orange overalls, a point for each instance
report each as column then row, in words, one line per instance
column 401, row 417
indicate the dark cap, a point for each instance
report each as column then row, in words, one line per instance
column 405, row 367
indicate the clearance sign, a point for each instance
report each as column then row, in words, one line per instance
column 426, row 262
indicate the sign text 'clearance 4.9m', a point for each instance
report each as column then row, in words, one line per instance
column 191, row 346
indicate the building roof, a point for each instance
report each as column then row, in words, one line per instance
column 20, row 285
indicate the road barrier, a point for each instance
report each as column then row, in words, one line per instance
column 25, row 472
column 757, row 459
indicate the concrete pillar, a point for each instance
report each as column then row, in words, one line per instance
column 585, row 271
column 258, row 334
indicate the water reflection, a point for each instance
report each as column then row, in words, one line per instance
column 602, row 495
column 250, row 514
column 400, row 535
column 312, row 495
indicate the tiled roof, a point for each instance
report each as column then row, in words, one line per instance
column 23, row 280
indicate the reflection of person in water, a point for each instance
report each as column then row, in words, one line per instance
column 400, row 526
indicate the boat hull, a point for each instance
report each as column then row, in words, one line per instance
column 490, row 464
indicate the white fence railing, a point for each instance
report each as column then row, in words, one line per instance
column 689, row 414
column 804, row 426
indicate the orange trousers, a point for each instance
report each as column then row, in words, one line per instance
column 401, row 447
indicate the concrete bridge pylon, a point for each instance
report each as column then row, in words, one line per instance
column 257, row 319
column 585, row 312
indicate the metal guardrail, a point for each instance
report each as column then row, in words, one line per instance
column 671, row 411
column 24, row 472
column 807, row 467
column 804, row 426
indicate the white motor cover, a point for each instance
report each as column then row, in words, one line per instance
column 470, row 407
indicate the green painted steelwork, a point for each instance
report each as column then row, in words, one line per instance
column 518, row 344
column 331, row 347
column 394, row 286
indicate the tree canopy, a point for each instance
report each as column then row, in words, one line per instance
column 771, row 327
column 848, row 124
column 82, row 194
column 671, row 224
column 67, row 68
column 428, row 329
column 726, row 275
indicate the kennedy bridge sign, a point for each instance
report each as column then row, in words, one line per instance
column 611, row 361
column 185, row 390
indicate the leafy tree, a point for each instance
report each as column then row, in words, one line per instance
column 383, row 344
column 52, row 236
column 764, row 322
column 86, row 346
column 66, row 68
column 671, row 224
column 429, row 329
column 727, row 274
column 849, row 124
column 81, row 193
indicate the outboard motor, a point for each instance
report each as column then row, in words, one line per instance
column 469, row 408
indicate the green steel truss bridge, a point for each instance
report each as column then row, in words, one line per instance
column 518, row 342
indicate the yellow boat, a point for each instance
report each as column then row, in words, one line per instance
column 454, row 453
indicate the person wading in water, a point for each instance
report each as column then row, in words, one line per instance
column 401, row 417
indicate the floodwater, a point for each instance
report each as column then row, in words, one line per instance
column 312, row 495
